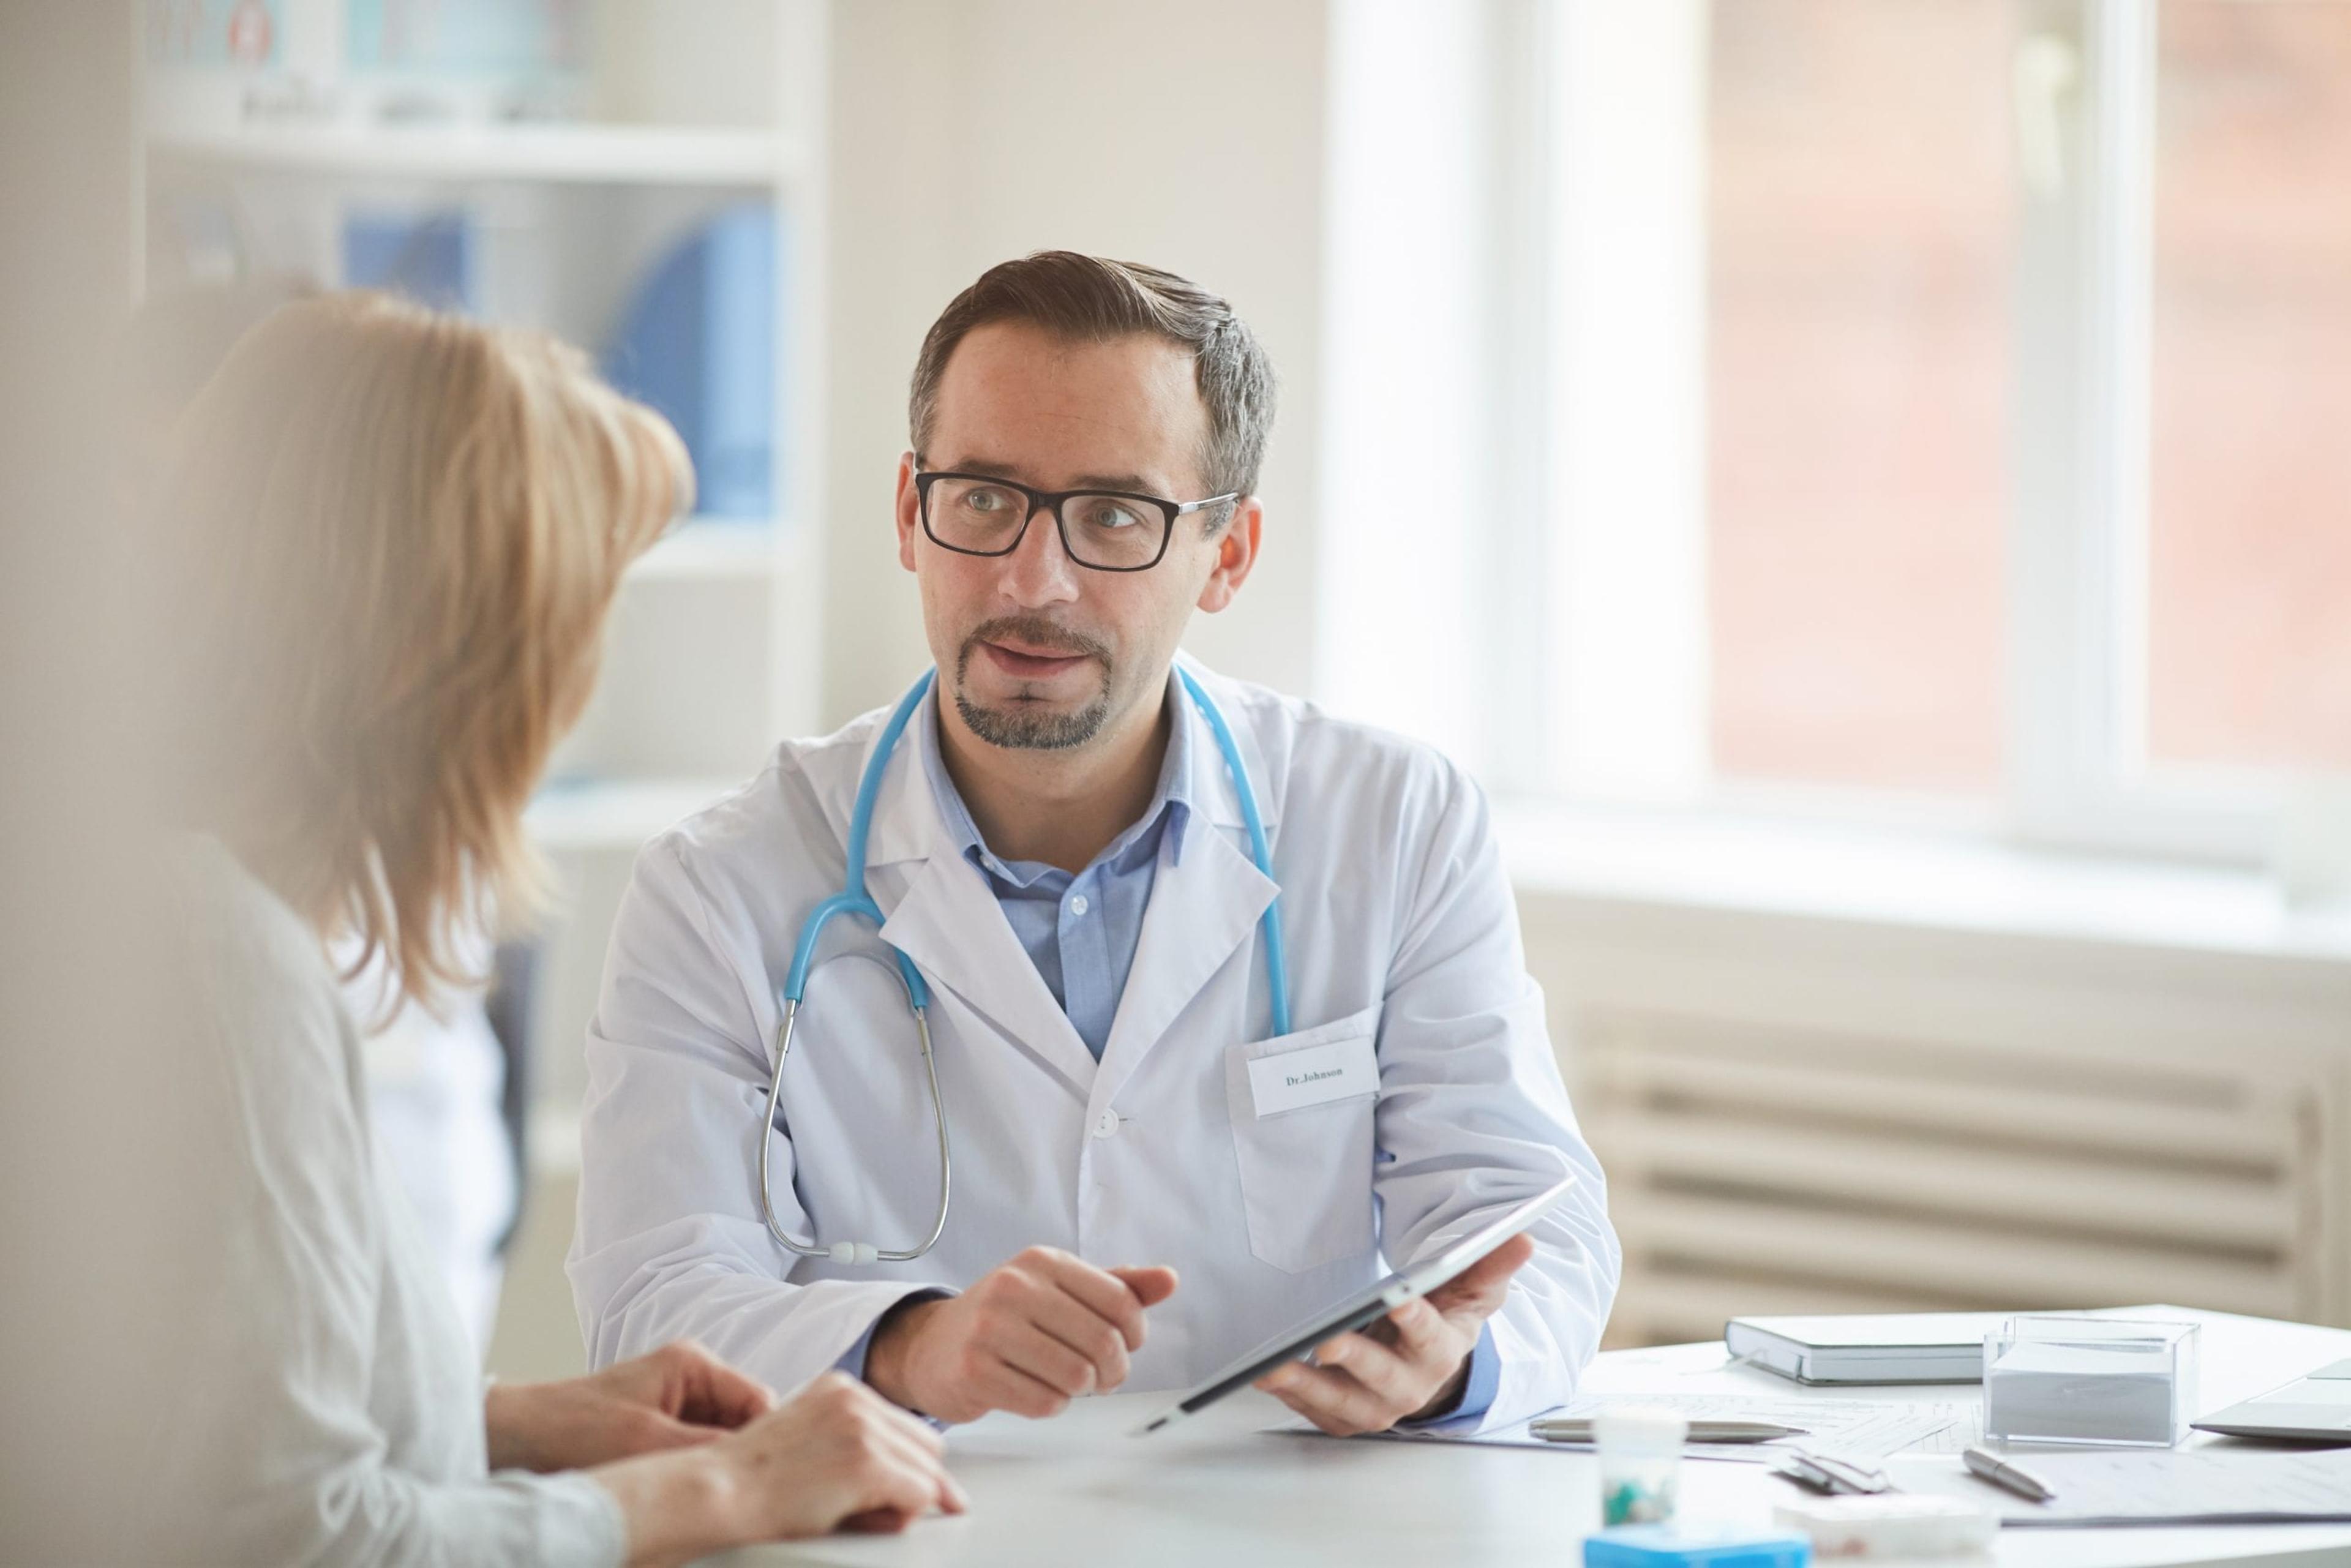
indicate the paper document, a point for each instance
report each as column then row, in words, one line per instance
column 1861, row 1429
column 2164, row 1486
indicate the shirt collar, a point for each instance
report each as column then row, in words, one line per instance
column 1171, row 799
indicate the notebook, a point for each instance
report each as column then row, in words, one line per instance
column 1903, row 1347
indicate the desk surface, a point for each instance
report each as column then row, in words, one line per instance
column 1219, row 1492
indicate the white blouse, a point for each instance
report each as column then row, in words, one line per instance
column 331, row 1409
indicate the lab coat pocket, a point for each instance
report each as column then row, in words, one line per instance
column 1302, row 1113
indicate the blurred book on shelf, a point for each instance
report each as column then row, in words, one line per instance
column 696, row 341
column 427, row 257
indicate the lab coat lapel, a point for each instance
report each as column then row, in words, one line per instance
column 1207, row 903
column 950, row 924
column 1202, row 908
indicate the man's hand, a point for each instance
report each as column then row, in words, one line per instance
column 1410, row 1364
column 678, row 1396
column 1029, row 1337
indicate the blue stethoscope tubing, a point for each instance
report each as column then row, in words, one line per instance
column 854, row 900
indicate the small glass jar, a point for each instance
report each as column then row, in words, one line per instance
column 1640, row 1451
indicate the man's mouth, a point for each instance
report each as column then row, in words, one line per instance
column 1030, row 661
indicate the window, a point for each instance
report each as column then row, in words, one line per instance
column 2249, row 493
column 1860, row 408
column 1859, row 202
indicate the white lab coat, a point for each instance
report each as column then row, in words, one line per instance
column 1400, row 927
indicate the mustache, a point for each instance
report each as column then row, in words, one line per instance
column 1035, row 632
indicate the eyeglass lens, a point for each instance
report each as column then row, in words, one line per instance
column 985, row 517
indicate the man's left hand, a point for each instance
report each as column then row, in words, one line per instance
column 1411, row 1365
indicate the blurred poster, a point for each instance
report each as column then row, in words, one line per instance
column 466, row 37
column 242, row 33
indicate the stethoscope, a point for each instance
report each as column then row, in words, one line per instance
column 853, row 899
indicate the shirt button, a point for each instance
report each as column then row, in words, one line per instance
column 1106, row 1125
column 1079, row 905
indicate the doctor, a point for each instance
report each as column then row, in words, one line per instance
column 1059, row 845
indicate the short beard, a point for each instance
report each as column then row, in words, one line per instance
column 1020, row 728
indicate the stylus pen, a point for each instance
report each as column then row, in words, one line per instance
column 2007, row 1477
column 1578, row 1429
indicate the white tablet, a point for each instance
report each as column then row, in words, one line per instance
column 1451, row 1254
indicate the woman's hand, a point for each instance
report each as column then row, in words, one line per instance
column 838, row 1455
column 679, row 1396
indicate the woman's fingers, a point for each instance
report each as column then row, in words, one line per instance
column 709, row 1392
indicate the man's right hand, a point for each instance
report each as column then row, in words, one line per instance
column 1029, row 1337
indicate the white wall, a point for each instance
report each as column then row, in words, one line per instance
column 968, row 132
column 95, row 1183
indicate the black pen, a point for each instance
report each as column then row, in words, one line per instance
column 2006, row 1476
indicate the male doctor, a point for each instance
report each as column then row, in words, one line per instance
column 1059, row 844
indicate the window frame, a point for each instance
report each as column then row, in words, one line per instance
column 2078, row 623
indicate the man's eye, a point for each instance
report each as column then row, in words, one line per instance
column 985, row 501
column 1109, row 516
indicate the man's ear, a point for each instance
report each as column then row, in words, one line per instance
column 910, row 516
column 1236, row 546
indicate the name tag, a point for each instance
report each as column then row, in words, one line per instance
column 1296, row 1079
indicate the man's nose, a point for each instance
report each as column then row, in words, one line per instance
column 1039, row 571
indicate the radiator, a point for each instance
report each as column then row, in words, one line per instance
column 1763, row 1168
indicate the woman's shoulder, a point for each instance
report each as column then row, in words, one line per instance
column 256, row 978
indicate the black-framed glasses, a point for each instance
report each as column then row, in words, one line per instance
column 1103, row 531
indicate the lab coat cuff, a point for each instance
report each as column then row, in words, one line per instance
column 1478, row 1390
column 852, row 1360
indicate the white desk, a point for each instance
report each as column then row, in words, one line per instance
column 1217, row 1492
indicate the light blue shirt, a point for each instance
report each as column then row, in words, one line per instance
column 1079, row 930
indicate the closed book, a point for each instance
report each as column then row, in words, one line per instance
column 1903, row 1347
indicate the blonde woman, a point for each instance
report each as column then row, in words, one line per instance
column 388, row 540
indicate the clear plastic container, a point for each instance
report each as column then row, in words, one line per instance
column 1640, row 1451
column 2090, row 1380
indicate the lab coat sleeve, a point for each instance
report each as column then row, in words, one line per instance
column 670, row 1242
column 1473, row 1112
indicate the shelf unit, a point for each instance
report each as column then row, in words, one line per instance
column 686, row 108
column 704, row 548
column 617, row 814
column 583, row 154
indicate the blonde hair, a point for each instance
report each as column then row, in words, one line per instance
column 391, row 539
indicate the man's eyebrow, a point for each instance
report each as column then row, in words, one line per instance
column 1134, row 484
column 981, row 466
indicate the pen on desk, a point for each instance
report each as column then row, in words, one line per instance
column 2006, row 1476
column 1831, row 1474
column 1578, row 1429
